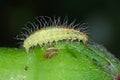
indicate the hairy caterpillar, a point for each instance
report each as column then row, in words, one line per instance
column 48, row 30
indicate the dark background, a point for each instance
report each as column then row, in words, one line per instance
column 103, row 15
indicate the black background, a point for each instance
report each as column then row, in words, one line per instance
column 103, row 15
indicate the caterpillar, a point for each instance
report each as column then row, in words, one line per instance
column 48, row 30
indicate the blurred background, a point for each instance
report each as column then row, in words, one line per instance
column 103, row 16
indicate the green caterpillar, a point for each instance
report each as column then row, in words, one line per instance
column 53, row 31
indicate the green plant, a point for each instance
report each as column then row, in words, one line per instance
column 74, row 61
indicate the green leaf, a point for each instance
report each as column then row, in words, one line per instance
column 74, row 61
